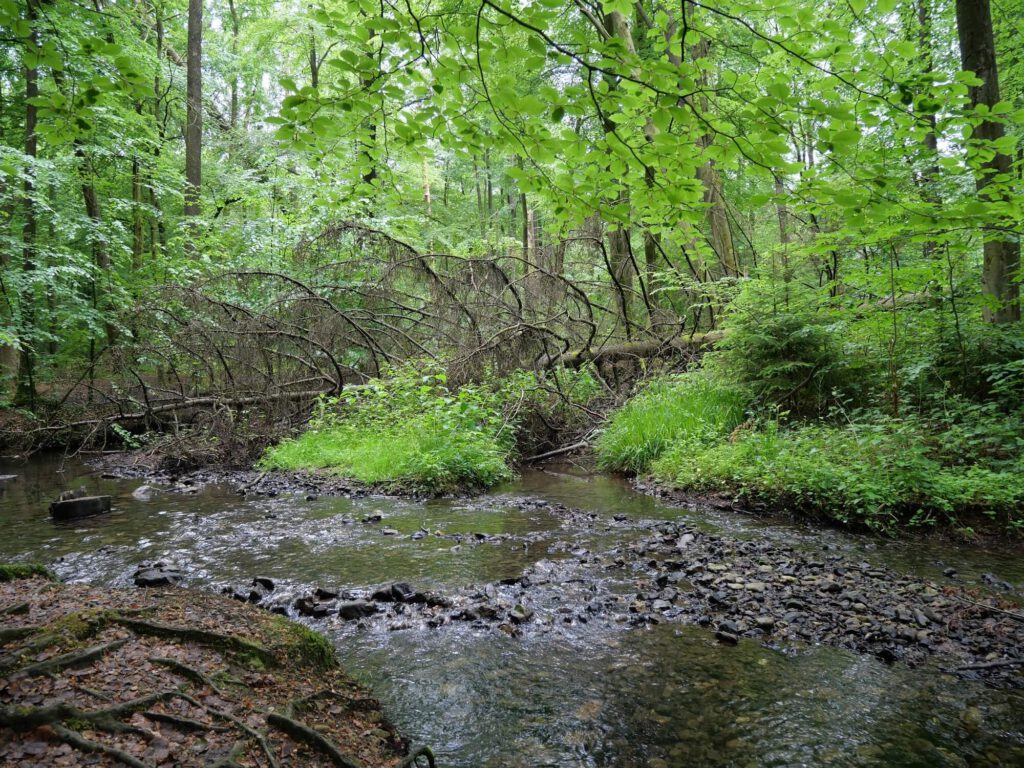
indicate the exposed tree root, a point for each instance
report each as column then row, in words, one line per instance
column 230, row 760
column 12, row 610
column 77, row 740
column 187, row 672
column 410, row 760
column 10, row 634
column 27, row 718
column 302, row 732
column 252, row 733
column 73, row 659
column 185, row 723
column 201, row 636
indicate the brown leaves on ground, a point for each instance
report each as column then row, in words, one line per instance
column 192, row 684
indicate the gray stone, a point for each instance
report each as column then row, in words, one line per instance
column 357, row 609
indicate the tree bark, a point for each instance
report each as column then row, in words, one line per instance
column 194, row 113
column 1001, row 254
column 26, row 385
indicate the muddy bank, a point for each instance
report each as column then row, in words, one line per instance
column 151, row 677
column 775, row 594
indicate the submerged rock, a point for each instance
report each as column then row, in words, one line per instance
column 157, row 576
column 357, row 609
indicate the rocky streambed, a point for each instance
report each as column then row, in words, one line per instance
column 776, row 594
column 567, row 620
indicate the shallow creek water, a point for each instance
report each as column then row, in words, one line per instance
column 588, row 695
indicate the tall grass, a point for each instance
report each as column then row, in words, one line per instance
column 688, row 408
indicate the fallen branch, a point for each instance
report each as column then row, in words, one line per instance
column 303, row 733
column 991, row 665
column 557, row 452
column 1003, row 611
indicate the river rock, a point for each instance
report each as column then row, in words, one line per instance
column 263, row 581
column 157, row 576
column 316, row 609
column 357, row 609
column 143, row 493
column 520, row 614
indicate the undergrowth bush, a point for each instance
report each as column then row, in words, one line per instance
column 878, row 473
column 411, row 431
column 688, row 408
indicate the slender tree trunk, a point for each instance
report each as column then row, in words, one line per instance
column 235, row 27
column 194, row 114
column 26, row 384
column 1002, row 254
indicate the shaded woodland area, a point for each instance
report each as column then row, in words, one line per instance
column 213, row 213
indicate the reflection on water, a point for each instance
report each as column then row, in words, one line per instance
column 666, row 696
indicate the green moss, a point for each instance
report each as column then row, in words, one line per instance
column 14, row 571
column 304, row 644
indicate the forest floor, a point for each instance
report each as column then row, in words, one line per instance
column 150, row 677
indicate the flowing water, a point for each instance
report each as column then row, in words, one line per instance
column 590, row 695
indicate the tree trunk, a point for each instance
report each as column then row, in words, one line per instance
column 1002, row 255
column 102, row 256
column 26, row 384
column 235, row 27
column 194, row 113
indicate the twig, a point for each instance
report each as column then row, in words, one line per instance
column 991, row 665
column 1011, row 614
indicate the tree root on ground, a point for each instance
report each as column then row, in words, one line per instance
column 77, row 740
column 72, row 659
column 27, row 718
column 410, row 760
column 185, row 723
column 191, row 673
column 10, row 634
column 303, row 733
column 252, row 733
column 201, row 636
column 17, row 608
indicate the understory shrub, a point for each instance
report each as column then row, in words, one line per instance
column 411, row 431
column 878, row 473
column 688, row 408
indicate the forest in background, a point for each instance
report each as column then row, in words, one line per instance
column 214, row 213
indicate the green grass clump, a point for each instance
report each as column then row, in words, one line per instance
column 690, row 409
column 15, row 571
column 419, row 454
column 880, row 474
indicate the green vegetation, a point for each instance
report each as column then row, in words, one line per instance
column 925, row 428
column 15, row 571
column 410, row 431
column 683, row 410
column 214, row 217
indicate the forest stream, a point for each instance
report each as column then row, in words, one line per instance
column 566, row 682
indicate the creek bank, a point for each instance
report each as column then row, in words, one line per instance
column 149, row 677
column 245, row 481
column 779, row 595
